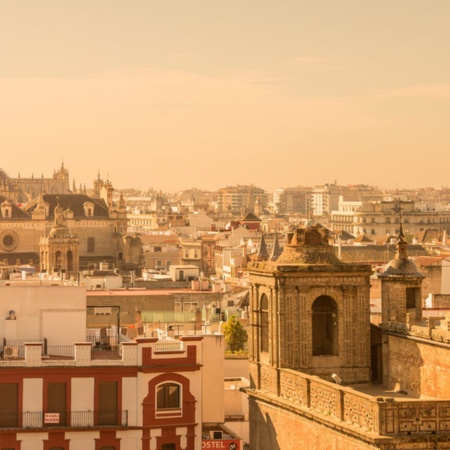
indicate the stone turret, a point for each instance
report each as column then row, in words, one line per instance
column 401, row 285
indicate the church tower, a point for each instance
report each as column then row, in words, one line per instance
column 60, row 249
column 309, row 313
column 401, row 287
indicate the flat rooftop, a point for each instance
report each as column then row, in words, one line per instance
column 377, row 390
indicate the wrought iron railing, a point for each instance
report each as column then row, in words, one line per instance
column 69, row 419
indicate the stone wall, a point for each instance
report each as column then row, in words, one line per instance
column 414, row 365
column 272, row 428
column 313, row 413
column 441, row 301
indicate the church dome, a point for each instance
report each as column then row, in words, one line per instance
column 309, row 246
column 404, row 267
column 59, row 231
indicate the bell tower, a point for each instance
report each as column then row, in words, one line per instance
column 59, row 250
column 310, row 313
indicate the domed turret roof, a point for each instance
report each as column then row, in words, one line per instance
column 309, row 246
column 59, row 231
column 401, row 265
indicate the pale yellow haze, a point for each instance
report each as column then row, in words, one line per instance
column 179, row 94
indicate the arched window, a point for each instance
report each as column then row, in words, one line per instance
column 325, row 326
column 168, row 395
column 70, row 261
column 169, row 447
column 58, row 260
column 264, row 323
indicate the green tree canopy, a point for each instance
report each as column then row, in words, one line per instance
column 235, row 334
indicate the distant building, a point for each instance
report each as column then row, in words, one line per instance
column 238, row 200
column 22, row 190
column 99, row 225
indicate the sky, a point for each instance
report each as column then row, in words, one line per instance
column 203, row 93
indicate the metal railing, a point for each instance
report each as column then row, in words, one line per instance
column 69, row 419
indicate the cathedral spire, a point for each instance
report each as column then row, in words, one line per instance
column 276, row 251
column 262, row 251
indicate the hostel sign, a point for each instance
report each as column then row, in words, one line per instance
column 221, row 444
column 51, row 418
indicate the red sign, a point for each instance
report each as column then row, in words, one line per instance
column 51, row 418
column 222, row 444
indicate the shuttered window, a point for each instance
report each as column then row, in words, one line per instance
column 107, row 403
column 57, row 400
column 9, row 405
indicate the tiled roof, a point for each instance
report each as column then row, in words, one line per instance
column 250, row 217
column 401, row 267
column 159, row 239
column 363, row 238
column 75, row 203
column 14, row 257
column 375, row 253
column 429, row 235
column 425, row 261
column 16, row 212
column 344, row 235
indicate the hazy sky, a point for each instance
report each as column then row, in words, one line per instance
column 179, row 94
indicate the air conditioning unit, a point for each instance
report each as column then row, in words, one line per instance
column 11, row 352
column 217, row 434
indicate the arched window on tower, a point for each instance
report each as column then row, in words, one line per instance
column 70, row 261
column 58, row 260
column 264, row 323
column 325, row 326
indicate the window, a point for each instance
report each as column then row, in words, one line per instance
column 9, row 405
column 70, row 261
column 91, row 245
column 264, row 323
column 107, row 402
column 169, row 447
column 325, row 326
column 190, row 306
column 56, row 400
column 411, row 298
column 58, row 260
column 168, row 396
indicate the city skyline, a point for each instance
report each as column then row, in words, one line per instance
column 207, row 95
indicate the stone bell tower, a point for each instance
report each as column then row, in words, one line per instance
column 401, row 287
column 59, row 250
column 310, row 312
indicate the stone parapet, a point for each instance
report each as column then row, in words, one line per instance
column 383, row 416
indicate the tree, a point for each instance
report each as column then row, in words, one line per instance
column 235, row 334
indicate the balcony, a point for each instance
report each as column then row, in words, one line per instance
column 70, row 419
